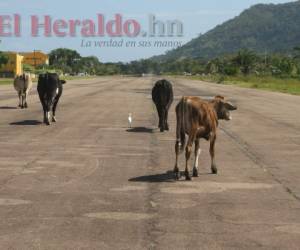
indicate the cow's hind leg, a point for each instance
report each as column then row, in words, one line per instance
column 177, row 152
column 20, row 98
column 54, row 108
column 25, row 100
column 166, row 120
column 162, row 119
column 159, row 114
column 214, row 168
column 188, row 151
column 46, row 119
column 46, row 113
column 197, row 154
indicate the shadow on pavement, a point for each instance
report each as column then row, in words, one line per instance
column 6, row 107
column 26, row 123
column 141, row 130
column 165, row 177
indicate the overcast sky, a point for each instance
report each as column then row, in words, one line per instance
column 197, row 16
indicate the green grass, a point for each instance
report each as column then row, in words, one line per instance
column 283, row 85
column 77, row 77
column 6, row 81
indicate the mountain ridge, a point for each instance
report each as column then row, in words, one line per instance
column 271, row 28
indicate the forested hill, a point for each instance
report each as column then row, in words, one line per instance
column 262, row 28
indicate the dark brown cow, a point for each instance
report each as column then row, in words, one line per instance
column 162, row 96
column 198, row 118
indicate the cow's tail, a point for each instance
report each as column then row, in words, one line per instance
column 180, row 128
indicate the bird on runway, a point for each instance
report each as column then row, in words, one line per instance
column 130, row 120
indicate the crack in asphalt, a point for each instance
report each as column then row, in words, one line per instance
column 245, row 148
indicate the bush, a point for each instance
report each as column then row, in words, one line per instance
column 221, row 79
column 28, row 68
column 230, row 70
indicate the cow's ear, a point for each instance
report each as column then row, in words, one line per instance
column 230, row 106
column 62, row 81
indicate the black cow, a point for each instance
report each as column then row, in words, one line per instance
column 162, row 96
column 50, row 89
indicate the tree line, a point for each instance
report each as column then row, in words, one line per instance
column 3, row 59
column 243, row 62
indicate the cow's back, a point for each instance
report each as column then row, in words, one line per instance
column 48, row 84
column 193, row 113
column 28, row 83
column 162, row 93
column 19, row 83
column 23, row 83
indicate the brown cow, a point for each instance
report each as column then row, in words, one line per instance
column 199, row 119
column 23, row 85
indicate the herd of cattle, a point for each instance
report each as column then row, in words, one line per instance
column 196, row 118
column 49, row 88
